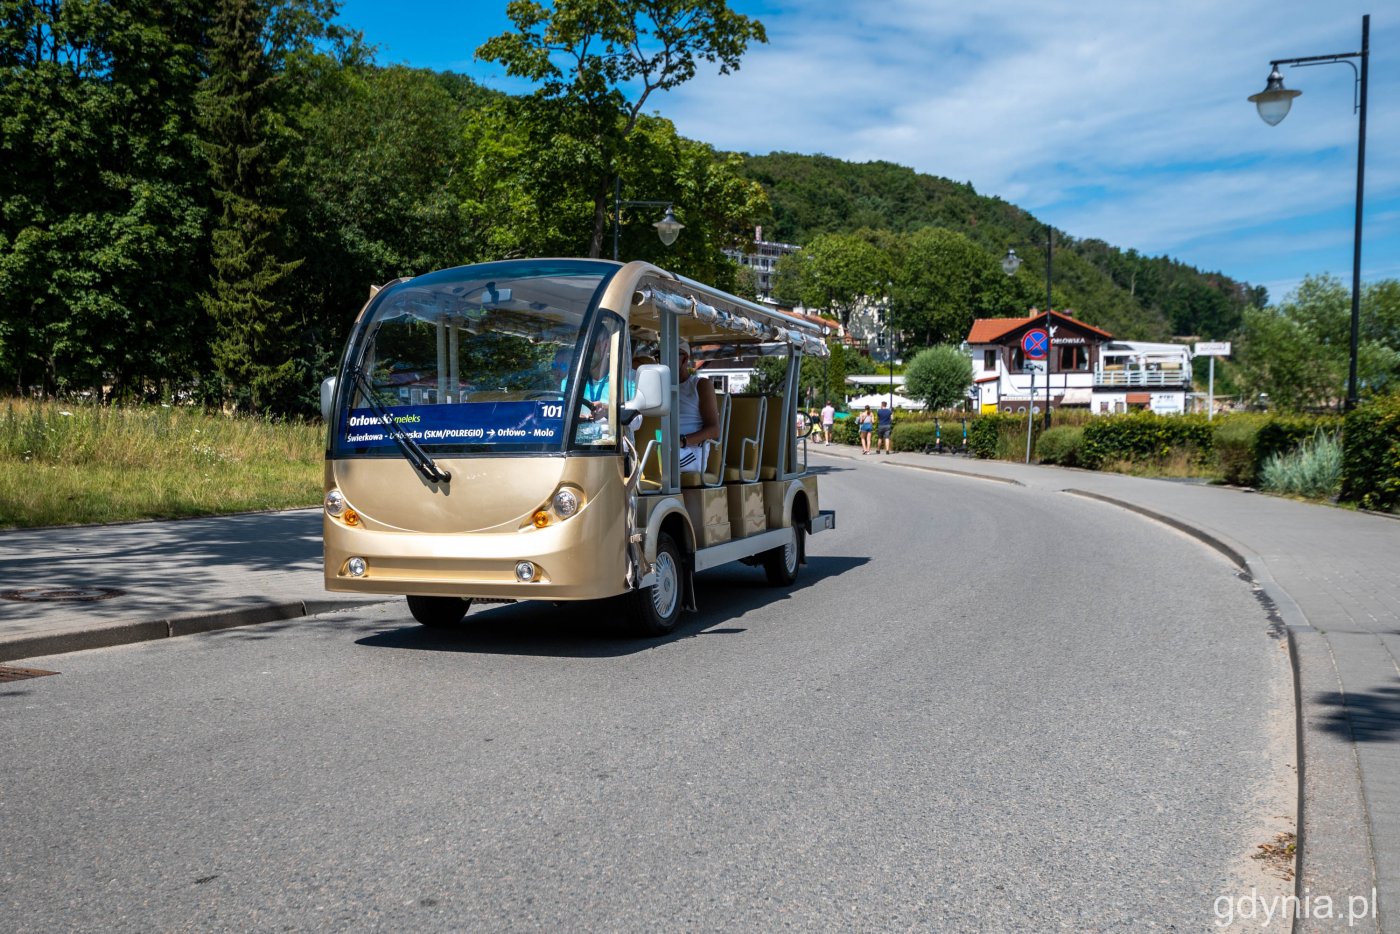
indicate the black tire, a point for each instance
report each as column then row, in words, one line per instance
column 781, row 564
column 438, row 611
column 656, row 610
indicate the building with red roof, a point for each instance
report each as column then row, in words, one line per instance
column 1017, row 365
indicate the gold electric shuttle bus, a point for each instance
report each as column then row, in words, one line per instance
column 514, row 431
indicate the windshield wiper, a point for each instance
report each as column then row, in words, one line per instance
column 415, row 455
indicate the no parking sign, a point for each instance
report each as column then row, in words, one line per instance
column 1035, row 344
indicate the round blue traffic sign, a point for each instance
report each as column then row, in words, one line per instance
column 1036, row 344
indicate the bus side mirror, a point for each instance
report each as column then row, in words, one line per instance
column 327, row 397
column 653, row 396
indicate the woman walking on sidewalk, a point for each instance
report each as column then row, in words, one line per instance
column 866, row 421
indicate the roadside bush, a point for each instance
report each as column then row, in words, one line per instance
column 1286, row 434
column 997, row 437
column 843, row 431
column 1236, row 446
column 912, row 436
column 1144, row 437
column 1313, row 469
column 1245, row 443
column 1060, row 445
column 1371, row 459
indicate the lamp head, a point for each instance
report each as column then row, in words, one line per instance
column 668, row 228
column 1275, row 100
column 1010, row 262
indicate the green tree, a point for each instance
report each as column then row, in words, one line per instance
column 243, row 107
column 1281, row 359
column 839, row 272
column 769, row 374
column 1299, row 352
column 943, row 280
column 379, row 172
column 939, row 377
column 521, row 202
column 102, row 209
column 584, row 53
column 1130, row 295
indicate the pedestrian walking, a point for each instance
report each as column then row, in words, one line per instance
column 815, row 420
column 828, row 421
column 866, row 423
column 884, row 419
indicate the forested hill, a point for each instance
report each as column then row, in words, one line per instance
column 1129, row 294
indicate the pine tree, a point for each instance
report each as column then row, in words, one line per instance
column 255, row 328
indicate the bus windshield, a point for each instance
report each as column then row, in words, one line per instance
column 477, row 359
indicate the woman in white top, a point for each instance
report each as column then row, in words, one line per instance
column 699, row 413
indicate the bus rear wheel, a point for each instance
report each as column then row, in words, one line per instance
column 655, row 610
column 782, row 563
column 438, row 611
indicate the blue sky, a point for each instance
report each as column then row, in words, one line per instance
column 1123, row 120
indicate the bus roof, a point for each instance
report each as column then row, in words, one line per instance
column 731, row 319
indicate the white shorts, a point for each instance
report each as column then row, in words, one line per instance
column 693, row 458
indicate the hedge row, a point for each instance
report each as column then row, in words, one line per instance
column 1371, row 454
column 1236, row 445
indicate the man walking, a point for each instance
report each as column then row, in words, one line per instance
column 828, row 420
column 884, row 426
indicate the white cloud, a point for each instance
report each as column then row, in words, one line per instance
column 1114, row 120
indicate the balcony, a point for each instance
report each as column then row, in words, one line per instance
column 1163, row 377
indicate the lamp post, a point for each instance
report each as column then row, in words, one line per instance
column 826, row 371
column 1009, row 264
column 1274, row 103
column 668, row 228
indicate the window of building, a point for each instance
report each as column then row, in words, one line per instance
column 989, row 359
column 1074, row 357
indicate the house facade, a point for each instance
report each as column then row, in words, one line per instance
column 1087, row 368
column 763, row 260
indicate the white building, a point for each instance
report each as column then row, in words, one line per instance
column 763, row 260
column 1088, row 369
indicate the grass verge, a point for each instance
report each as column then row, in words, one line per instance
column 75, row 465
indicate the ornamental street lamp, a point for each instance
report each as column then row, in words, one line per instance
column 1273, row 104
column 667, row 229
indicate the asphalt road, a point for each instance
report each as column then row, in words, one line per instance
column 983, row 708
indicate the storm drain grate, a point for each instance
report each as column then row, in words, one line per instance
column 61, row 594
column 20, row 674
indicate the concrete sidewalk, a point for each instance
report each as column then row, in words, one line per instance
column 68, row 589
column 1331, row 575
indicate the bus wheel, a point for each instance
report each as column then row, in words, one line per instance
column 438, row 611
column 781, row 564
column 655, row 610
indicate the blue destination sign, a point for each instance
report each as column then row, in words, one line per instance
column 461, row 423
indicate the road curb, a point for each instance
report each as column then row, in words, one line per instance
column 102, row 637
column 1219, row 545
column 956, row 473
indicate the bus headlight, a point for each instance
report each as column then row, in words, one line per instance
column 524, row 572
column 335, row 503
column 355, row 567
column 565, row 503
